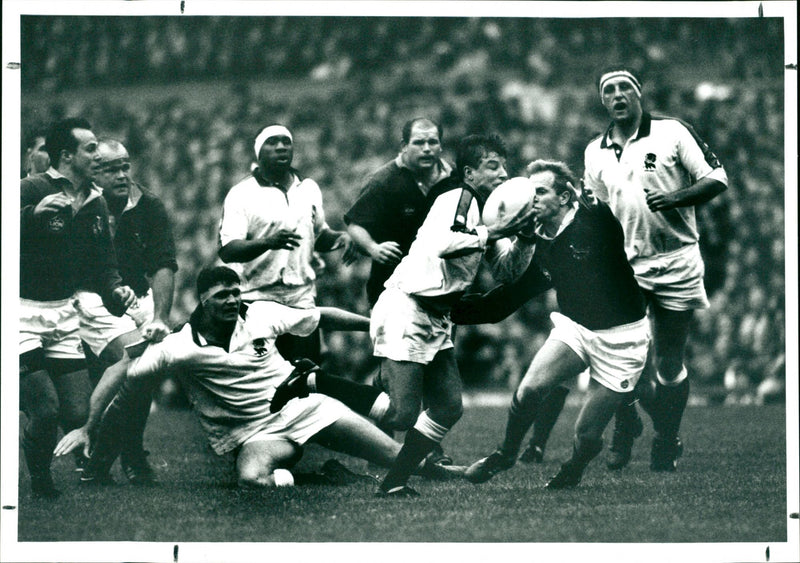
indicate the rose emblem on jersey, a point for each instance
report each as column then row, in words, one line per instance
column 260, row 346
column 650, row 162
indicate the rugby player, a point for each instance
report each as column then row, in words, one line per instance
column 391, row 207
column 601, row 324
column 653, row 170
column 226, row 359
column 393, row 203
column 65, row 246
column 410, row 325
column 36, row 160
column 272, row 224
column 145, row 252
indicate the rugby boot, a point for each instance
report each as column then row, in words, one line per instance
column 486, row 468
column 627, row 427
column 42, row 486
column 137, row 469
column 567, row 477
column 665, row 452
column 571, row 472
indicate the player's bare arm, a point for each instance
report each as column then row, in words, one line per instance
column 163, row 286
column 245, row 250
column 700, row 192
column 333, row 318
column 329, row 240
column 387, row 252
column 102, row 395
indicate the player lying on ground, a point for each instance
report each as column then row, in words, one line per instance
column 226, row 358
column 601, row 325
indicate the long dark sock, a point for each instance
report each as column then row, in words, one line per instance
column 670, row 405
column 626, row 411
column 520, row 417
column 357, row 396
column 547, row 415
column 107, row 440
column 584, row 450
column 414, row 450
column 139, row 394
column 39, row 438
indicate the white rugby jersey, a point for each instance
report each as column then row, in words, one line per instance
column 231, row 390
column 666, row 154
column 442, row 261
column 252, row 211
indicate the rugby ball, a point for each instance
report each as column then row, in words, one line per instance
column 507, row 201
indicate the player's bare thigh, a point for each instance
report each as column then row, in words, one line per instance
column 554, row 363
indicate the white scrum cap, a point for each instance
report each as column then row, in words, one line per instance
column 270, row 131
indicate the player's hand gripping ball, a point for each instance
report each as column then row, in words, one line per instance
column 510, row 200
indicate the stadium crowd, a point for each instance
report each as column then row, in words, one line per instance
column 344, row 98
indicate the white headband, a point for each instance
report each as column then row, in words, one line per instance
column 620, row 74
column 267, row 132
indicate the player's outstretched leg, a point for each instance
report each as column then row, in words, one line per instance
column 595, row 415
column 521, row 414
column 546, row 418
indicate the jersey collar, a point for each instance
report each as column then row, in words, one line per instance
column 565, row 222
column 643, row 131
column 196, row 317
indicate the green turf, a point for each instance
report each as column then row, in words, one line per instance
column 730, row 486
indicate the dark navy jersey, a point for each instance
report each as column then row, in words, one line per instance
column 390, row 207
column 588, row 268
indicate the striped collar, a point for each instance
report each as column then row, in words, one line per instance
column 642, row 131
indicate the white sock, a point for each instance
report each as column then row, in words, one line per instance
column 380, row 407
column 283, row 478
column 429, row 428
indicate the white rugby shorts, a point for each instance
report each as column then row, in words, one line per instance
column 300, row 420
column 403, row 331
column 616, row 357
column 98, row 327
column 674, row 280
column 52, row 326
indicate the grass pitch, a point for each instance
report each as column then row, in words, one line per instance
column 730, row 487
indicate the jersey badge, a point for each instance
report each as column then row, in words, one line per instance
column 260, row 347
column 650, row 162
column 56, row 223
